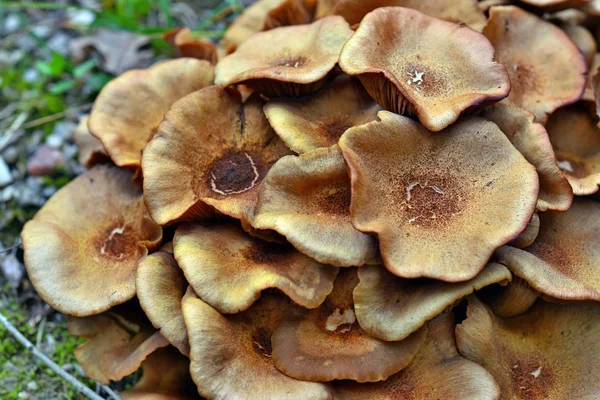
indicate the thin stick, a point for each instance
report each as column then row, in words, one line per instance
column 12, row 130
column 39, row 5
column 53, row 117
column 14, row 246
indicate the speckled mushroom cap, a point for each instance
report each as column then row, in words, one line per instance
column 90, row 149
column 551, row 352
column 93, row 230
column 440, row 203
column 273, row 65
column 411, row 63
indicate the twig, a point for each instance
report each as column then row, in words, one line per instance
column 110, row 392
column 39, row 5
column 54, row 117
column 12, row 130
column 89, row 393
column 14, row 246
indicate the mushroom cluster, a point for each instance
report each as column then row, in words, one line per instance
column 345, row 199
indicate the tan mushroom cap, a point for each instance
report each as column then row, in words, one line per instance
column 231, row 356
column 576, row 141
column 229, row 269
column 555, row 5
column 320, row 119
column 307, row 199
column 210, row 153
column 513, row 299
column 83, row 246
column 91, row 151
column 130, row 107
column 584, row 40
column 273, row 65
column 436, row 372
column 324, row 8
column 391, row 308
column 440, row 203
column 528, row 236
column 546, row 69
column 415, row 64
column 327, row 343
column 185, row 44
column 551, row 352
column 160, row 285
column 532, row 140
column 564, row 260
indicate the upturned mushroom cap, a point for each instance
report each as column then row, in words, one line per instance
column 528, row 236
column 160, row 287
column 184, row 44
column 439, row 203
column 531, row 139
column 546, row 69
column 271, row 64
column 436, row 372
column 551, row 352
column 307, row 199
column 231, row 356
column 93, row 230
column 576, row 141
column 392, row 308
column 130, row 107
column 564, row 260
column 327, row 343
column 210, row 153
column 91, row 151
column 320, row 119
column 229, row 269
column 412, row 63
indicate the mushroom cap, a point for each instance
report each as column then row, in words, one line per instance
column 513, row 299
column 160, row 285
column 436, row 372
column 583, row 39
column 410, row 62
column 271, row 64
column 439, row 203
column 327, row 343
column 546, row 69
column 95, row 229
column 555, row 5
column 528, row 236
column 320, row 119
column 184, row 44
column 231, row 356
column 551, row 352
column 391, row 308
column 91, row 151
column 130, row 107
column 532, row 140
column 307, row 199
column 576, row 141
column 564, row 260
column 210, row 153
column 229, row 269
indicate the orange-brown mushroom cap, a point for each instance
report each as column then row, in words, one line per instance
column 91, row 151
column 231, row 356
column 412, row 63
column 551, row 352
column 307, row 199
column 564, row 260
column 83, row 246
column 546, row 69
column 229, row 269
column 184, row 44
column 440, row 203
column 391, row 308
column 130, row 107
column 320, row 119
column 327, row 343
column 436, row 372
column 210, row 153
column 273, row 65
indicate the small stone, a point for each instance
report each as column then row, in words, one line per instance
column 11, row 153
column 12, row 269
column 31, row 75
column 42, row 31
column 11, row 23
column 81, row 17
column 62, row 131
column 59, row 43
column 32, row 386
column 5, row 176
column 23, row 395
column 44, row 161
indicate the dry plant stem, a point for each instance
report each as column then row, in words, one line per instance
column 53, row 117
column 51, row 364
column 11, row 132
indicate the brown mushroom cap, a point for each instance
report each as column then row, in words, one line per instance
column 307, row 199
column 436, row 372
column 184, row 44
column 210, row 153
column 564, row 260
column 546, row 69
column 531, row 139
column 551, row 352
column 391, row 308
column 555, row 5
column 528, row 236
column 584, row 40
column 91, row 151
column 130, row 107
column 439, row 203
column 576, row 141
column 231, row 356
column 415, row 64
column 327, row 343
column 229, row 269
column 320, row 119
column 271, row 64
column 513, row 299
column 160, row 287
column 83, row 246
